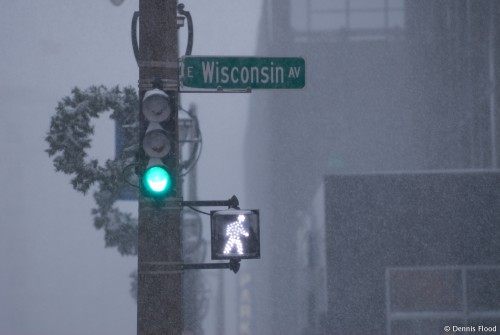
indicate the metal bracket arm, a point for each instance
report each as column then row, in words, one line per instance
column 233, row 265
column 163, row 267
column 231, row 203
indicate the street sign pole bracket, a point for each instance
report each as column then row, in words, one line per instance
column 218, row 90
column 164, row 84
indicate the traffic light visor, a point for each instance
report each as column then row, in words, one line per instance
column 156, row 105
column 156, row 142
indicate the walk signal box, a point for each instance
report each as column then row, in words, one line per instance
column 235, row 234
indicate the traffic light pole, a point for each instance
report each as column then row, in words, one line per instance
column 159, row 297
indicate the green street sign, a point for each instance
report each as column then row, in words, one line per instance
column 236, row 73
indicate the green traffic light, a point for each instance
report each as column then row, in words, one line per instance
column 157, row 180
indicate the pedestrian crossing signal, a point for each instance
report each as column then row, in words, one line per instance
column 235, row 234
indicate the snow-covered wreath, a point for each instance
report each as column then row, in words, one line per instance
column 70, row 136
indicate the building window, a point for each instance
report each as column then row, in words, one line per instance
column 357, row 17
column 428, row 300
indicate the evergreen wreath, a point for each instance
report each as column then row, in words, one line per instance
column 70, row 136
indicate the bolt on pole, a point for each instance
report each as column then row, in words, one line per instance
column 159, row 297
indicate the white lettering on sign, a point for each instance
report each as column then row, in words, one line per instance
column 294, row 72
column 213, row 73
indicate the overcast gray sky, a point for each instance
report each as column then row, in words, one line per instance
column 57, row 277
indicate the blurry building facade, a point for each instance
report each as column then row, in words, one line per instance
column 391, row 85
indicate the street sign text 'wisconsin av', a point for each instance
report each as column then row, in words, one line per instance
column 227, row 73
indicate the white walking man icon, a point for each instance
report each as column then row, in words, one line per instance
column 234, row 231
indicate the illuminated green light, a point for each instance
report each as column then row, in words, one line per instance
column 157, row 180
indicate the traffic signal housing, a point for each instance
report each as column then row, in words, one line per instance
column 235, row 234
column 159, row 144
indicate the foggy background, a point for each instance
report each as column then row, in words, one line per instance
column 384, row 164
column 56, row 276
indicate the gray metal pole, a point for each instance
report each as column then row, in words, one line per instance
column 159, row 296
column 192, row 193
